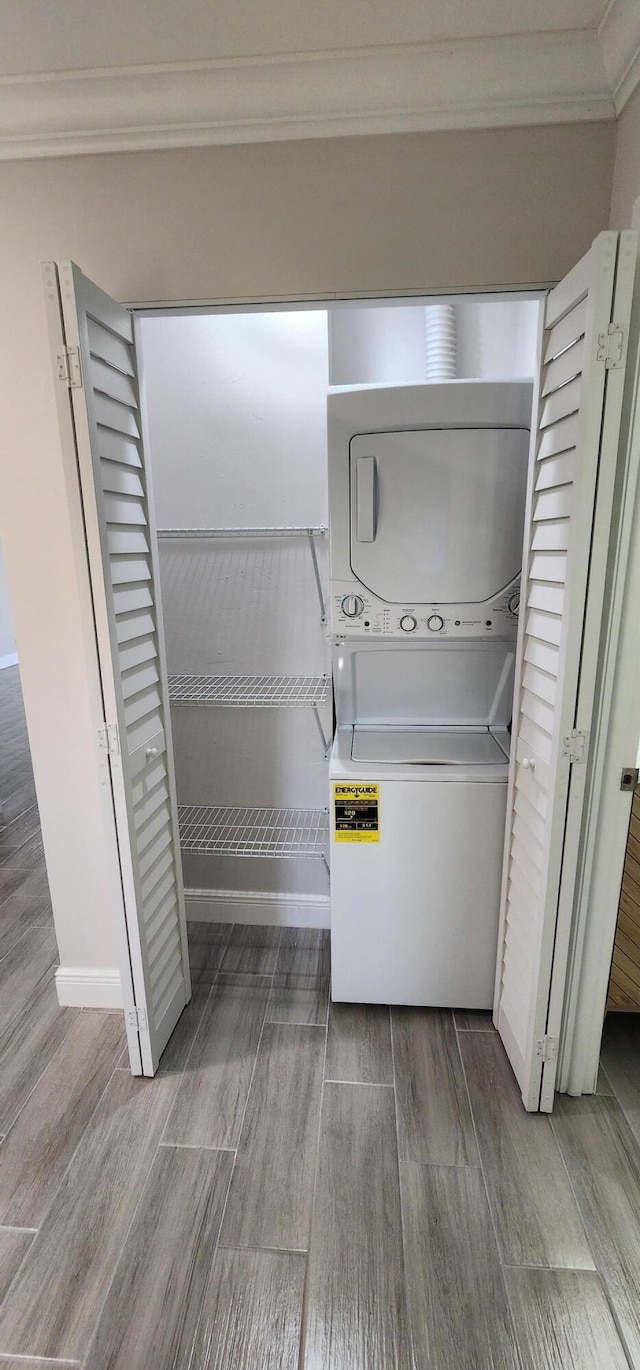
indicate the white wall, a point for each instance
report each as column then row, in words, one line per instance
column 237, row 426
column 495, row 341
column 513, row 206
column 8, row 655
column 376, row 344
column 237, row 416
column 625, row 194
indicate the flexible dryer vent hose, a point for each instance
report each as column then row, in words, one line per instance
column 440, row 342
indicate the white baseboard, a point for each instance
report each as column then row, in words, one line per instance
column 260, row 907
column 10, row 660
column 88, row 987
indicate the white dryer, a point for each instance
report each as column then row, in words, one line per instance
column 426, row 508
column 418, row 778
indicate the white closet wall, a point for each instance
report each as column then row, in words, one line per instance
column 497, row 341
column 238, row 388
column 237, row 421
column 385, row 344
column 377, row 344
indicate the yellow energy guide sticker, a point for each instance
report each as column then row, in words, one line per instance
column 357, row 812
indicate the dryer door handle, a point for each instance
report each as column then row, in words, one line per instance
column 366, row 498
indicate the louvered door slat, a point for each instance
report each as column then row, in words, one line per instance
column 571, row 291
column 127, row 569
column 542, row 655
column 553, row 504
column 578, row 411
column 114, row 446
column 564, row 368
column 561, row 438
column 107, row 381
column 121, row 479
column 543, row 626
column 109, row 347
column 547, row 567
column 121, row 543
column 567, row 331
column 126, row 540
column 557, row 470
column 538, row 682
column 133, row 681
column 550, row 598
column 552, row 536
column 115, row 416
column 524, row 808
column 561, row 403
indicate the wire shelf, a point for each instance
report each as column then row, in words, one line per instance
column 317, row 532
column 253, row 832
column 249, row 691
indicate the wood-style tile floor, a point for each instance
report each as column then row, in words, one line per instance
column 302, row 1187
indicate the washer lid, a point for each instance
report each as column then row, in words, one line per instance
column 429, row 746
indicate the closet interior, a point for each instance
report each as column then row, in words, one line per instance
column 237, row 416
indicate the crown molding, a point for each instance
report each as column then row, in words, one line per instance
column 619, row 38
column 480, row 83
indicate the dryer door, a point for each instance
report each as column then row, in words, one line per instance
column 437, row 514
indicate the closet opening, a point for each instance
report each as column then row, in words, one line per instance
column 236, row 403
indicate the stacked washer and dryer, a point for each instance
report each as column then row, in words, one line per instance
column 426, row 496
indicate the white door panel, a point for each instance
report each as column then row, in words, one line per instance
column 569, row 507
column 109, row 426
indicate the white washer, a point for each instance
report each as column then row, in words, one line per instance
column 414, row 912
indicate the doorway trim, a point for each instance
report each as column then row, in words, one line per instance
column 617, row 723
column 367, row 299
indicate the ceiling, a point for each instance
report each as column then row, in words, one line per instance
column 79, row 77
column 61, row 35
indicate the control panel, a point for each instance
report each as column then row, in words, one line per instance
column 357, row 613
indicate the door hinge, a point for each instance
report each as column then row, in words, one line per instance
column 575, row 746
column 629, row 779
column 547, row 1049
column 69, row 368
column 109, row 739
column 611, row 346
column 137, row 1019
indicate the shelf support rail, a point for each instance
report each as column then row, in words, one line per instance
column 326, row 741
column 312, row 534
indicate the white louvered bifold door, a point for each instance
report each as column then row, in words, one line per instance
column 121, row 546
column 576, row 427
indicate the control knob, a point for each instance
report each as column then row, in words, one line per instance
column 514, row 604
column 352, row 606
column 408, row 623
column 435, row 623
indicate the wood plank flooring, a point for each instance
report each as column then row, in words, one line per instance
column 356, row 1312
column 152, row 1311
column 303, row 1186
column 452, row 1263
